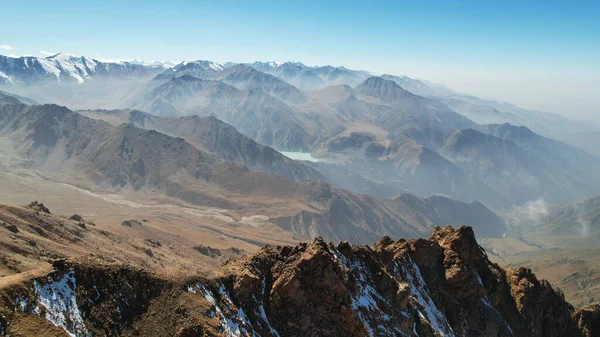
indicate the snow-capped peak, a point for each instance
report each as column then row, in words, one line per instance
column 206, row 64
column 66, row 67
column 78, row 68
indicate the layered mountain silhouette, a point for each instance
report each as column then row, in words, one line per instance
column 66, row 146
column 258, row 115
column 392, row 159
column 310, row 78
column 219, row 139
column 8, row 98
column 392, row 133
column 484, row 111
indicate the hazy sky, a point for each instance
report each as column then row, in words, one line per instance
column 537, row 54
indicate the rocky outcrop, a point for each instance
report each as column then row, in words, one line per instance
column 38, row 207
column 588, row 320
column 441, row 286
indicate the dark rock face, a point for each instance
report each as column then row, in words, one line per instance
column 39, row 207
column 76, row 217
column 440, row 286
column 12, row 228
column 131, row 223
column 208, row 251
column 588, row 320
column 352, row 140
column 153, row 243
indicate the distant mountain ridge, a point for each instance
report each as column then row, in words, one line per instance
column 27, row 70
column 309, row 77
column 419, row 144
column 485, row 111
column 258, row 115
column 8, row 98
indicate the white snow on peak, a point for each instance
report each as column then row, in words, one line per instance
column 66, row 65
column 233, row 319
column 206, row 64
column 49, row 67
column 296, row 63
column 261, row 309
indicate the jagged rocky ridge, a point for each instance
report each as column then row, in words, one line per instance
column 441, row 286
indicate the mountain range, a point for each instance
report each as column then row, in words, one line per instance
column 216, row 137
column 65, row 146
column 394, row 118
column 405, row 134
column 30, row 70
column 485, row 111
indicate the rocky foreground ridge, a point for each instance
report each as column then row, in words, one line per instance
column 441, row 286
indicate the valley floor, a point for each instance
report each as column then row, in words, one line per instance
column 176, row 226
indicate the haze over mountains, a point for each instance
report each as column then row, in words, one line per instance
column 393, row 131
column 216, row 137
column 378, row 136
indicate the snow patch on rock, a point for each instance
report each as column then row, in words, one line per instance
column 57, row 297
column 365, row 302
column 6, row 77
column 261, row 310
column 234, row 321
column 430, row 313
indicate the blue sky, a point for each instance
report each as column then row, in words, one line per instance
column 539, row 54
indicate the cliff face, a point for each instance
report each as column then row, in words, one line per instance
column 440, row 286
